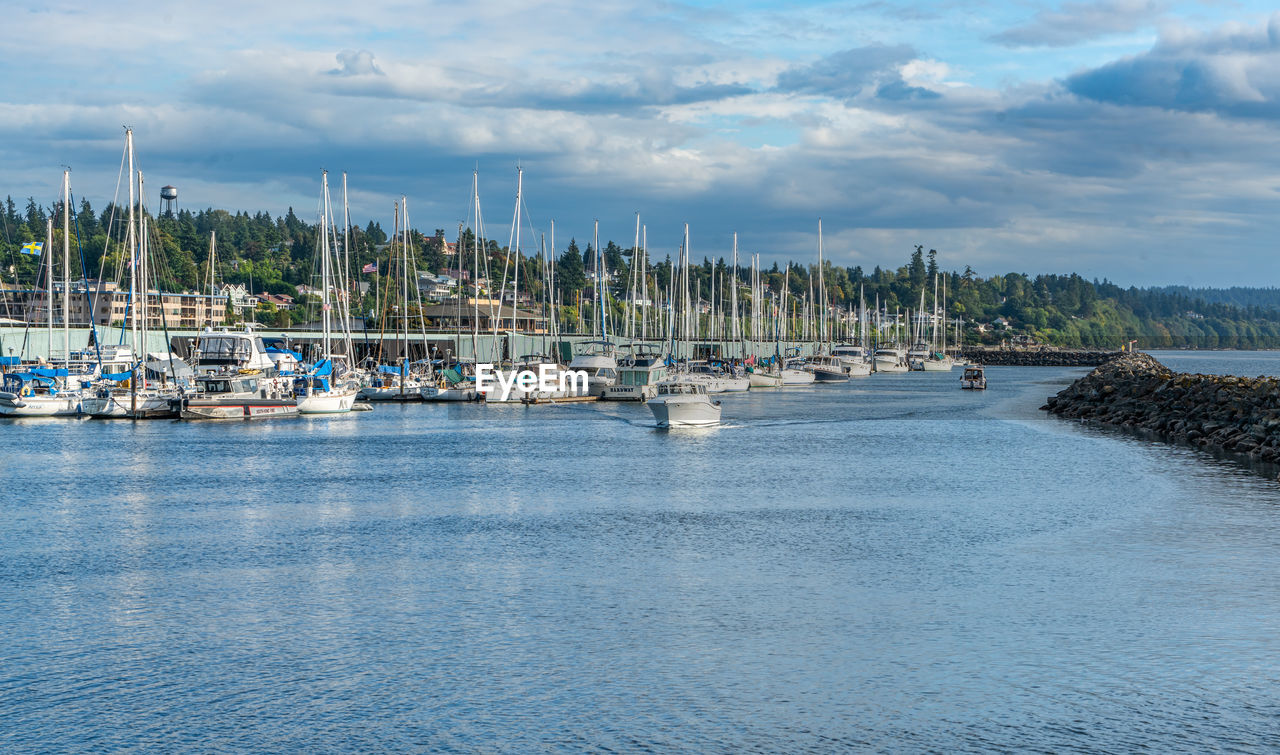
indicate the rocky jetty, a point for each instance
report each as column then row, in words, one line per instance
column 1237, row 415
column 1039, row 357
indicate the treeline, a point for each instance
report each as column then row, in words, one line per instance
column 277, row 254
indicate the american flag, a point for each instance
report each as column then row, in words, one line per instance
column 372, row 267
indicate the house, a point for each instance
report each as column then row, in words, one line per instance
column 281, row 301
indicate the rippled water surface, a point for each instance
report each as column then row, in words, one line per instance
column 891, row 564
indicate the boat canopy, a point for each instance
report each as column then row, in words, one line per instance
column 390, row 369
column 119, row 377
column 50, row 372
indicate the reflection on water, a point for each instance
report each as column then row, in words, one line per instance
column 891, row 563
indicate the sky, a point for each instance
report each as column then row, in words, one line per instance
column 1134, row 140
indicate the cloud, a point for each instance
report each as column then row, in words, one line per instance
column 849, row 73
column 356, row 63
column 1233, row 71
column 1075, row 23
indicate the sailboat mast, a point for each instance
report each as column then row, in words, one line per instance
column 475, row 267
column 66, row 269
column 515, row 280
column 324, row 263
column 132, row 242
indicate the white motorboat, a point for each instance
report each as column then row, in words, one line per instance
column 936, row 363
column 684, row 404
column 854, row 360
column 715, row 379
column 639, row 374
column 794, row 374
column 974, row 378
column 600, row 364
column 890, row 360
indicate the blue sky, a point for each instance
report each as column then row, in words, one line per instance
column 1129, row 139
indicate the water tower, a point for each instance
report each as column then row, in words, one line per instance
column 168, row 195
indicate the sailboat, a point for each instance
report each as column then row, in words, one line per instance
column 322, row 390
column 45, row 391
column 599, row 361
column 131, row 394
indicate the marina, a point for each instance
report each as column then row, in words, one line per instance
column 959, row 550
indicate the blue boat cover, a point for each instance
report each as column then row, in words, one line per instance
column 49, row 372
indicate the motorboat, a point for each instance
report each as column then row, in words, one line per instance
column 890, row 359
column 853, row 358
column 684, row 404
column 639, row 374
column 827, row 369
column 232, row 395
column 600, row 365
column 713, row 377
column 974, row 378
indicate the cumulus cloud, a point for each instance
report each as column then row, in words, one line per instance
column 1233, row 71
column 1075, row 23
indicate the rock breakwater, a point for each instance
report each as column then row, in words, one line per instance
column 1237, row 415
column 1039, row 357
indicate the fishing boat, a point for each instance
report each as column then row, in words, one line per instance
column 684, row 404
column 973, row 378
column 639, row 374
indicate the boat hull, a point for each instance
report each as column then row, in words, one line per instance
column 765, row 380
column 797, row 377
column 12, row 405
column 238, row 408
column 455, row 393
column 338, row 402
column 684, row 411
column 118, row 407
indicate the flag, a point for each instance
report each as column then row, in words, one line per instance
column 33, row 248
column 372, row 267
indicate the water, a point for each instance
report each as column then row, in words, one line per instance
column 892, row 564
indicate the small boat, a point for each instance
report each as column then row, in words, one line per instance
column 323, row 390
column 761, row 377
column 713, row 377
column 793, row 373
column 684, row 404
column 26, row 394
column 456, row 383
column 973, row 378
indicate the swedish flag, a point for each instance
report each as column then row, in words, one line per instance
column 33, row 248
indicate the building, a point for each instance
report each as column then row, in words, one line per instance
column 103, row 303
